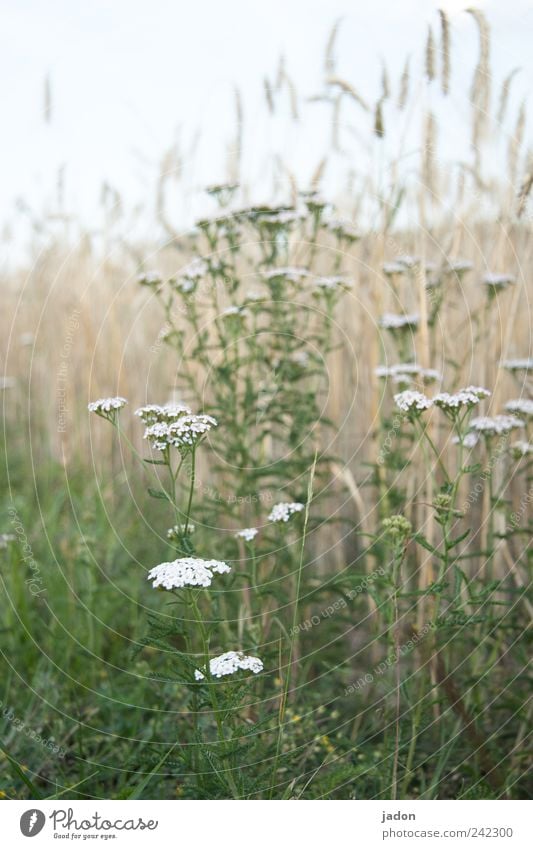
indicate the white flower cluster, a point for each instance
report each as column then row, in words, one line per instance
column 300, row 358
column 521, row 406
column 247, row 534
column 186, row 572
column 234, row 310
column 152, row 413
column 177, row 531
column 332, row 283
column 283, row 511
column 196, row 268
column 392, row 321
column 469, row 440
column 459, row 266
column 498, row 281
column 468, row 397
column 292, row 273
column 522, row 448
column 183, row 433
column 229, row 663
column 403, row 372
column 106, row 406
column 407, row 260
column 518, row 364
column 191, row 274
column 495, row 425
column 411, row 402
column 391, row 268
column 343, row 229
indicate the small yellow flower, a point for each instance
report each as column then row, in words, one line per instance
column 328, row 745
column 296, row 718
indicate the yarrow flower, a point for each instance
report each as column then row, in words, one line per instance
column 177, row 531
column 468, row 397
column 459, row 266
column 412, row 402
column 403, row 372
column 522, row 406
column 495, row 425
column 283, row 511
column 247, row 534
column 292, row 273
column 184, row 433
column 186, row 572
column 234, row 310
column 469, row 440
column 518, row 364
column 392, row 321
column 391, row 268
column 343, row 229
column 107, row 407
column 521, row 448
column 152, row 413
column 408, row 261
column 229, row 663
column 330, row 284
column 497, row 282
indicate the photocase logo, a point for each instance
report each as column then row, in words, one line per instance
column 32, row 822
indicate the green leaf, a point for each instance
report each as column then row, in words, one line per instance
column 158, row 493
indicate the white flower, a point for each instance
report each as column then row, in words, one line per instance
column 518, row 364
column 292, row 273
column 196, row 268
column 332, row 283
column 301, row 358
column 177, row 531
column 408, row 261
column 469, row 440
column 184, row 433
column 343, row 229
column 390, row 268
column 498, row 281
column 459, row 266
column 5, row 539
column 234, row 310
column 463, row 398
column 186, row 285
column 411, row 402
column 252, row 295
column 495, row 425
column 152, row 413
column 229, row 663
column 283, row 511
column 402, row 372
column 521, row 448
column 106, row 406
column 247, row 534
column 186, row 572
column 522, row 406
column 391, row 321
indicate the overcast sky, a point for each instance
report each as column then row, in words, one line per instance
column 128, row 77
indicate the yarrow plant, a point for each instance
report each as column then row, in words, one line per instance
column 283, row 511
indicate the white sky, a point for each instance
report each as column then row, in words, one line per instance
column 128, row 76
